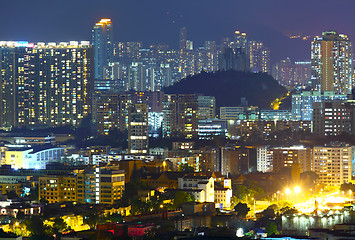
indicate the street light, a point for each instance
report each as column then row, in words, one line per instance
column 297, row 189
column 288, row 191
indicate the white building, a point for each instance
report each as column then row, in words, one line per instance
column 264, row 159
column 34, row 158
column 333, row 163
column 223, row 195
column 194, row 184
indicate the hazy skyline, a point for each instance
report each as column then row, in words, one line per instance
column 158, row 21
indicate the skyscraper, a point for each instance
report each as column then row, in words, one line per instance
column 291, row 74
column 183, row 38
column 180, row 115
column 45, row 84
column 240, row 40
column 210, row 56
column 234, row 59
column 102, row 39
column 331, row 60
column 259, row 56
column 136, row 77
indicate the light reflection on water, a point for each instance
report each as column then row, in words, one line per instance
column 299, row 225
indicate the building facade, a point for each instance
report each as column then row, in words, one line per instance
column 292, row 74
column 259, row 57
column 45, row 84
column 331, row 60
column 333, row 163
column 206, row 107
column 36, row 158
column 102, row 39
column 97, row 185
column 138, row 129
column 302, row 103
column 264, row 159
column 198, row 184
column 331, row 118
column 294, row 156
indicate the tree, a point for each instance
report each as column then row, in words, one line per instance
column 288, row 210
column 269, row 213
column 253, row 189
column 115, row 218
column 20, row 215
column 271, row 228
column 234, row 201
column 59, row 226
column 347, row 186
column 182, row 197
column 7, row 234
column 240, row 191
column 186, row 168
column 34, row 193
column 140, row 207
column 309, row 177
column 41, row 237
column 242, row 209
column 12, row 195
column 34, row 225
column 94, row 217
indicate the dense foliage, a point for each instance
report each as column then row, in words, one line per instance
column 260, row 89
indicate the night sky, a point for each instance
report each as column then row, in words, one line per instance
column 158, row 21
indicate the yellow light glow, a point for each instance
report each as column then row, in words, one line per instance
column 288, row 191
column 297, row 189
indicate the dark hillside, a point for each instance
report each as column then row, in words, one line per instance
column 260, row 89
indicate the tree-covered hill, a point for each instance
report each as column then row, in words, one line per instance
column 260, row 89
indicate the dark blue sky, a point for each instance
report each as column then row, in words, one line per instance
column 159, row 20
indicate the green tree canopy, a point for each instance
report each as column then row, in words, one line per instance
column 242, row 209
column 347, row 186
column 34, row 225
column 186, row 168
column 182, row 197
column 59, row 226
column 271, row 228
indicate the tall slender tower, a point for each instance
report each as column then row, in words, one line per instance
column 183, row 38
column 331, row 60
column 240, row 40
column 259, row 57
column 102, row 39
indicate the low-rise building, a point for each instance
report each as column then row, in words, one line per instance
column 33, row 158
column 210, row 128
column 289, row 156
column 198, row 184
column 223, row 197
column 164, row 180
column 333, row 163
column 58, row 188
column 93, row 185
